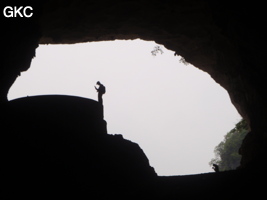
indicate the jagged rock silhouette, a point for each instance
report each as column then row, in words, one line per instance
column 59, row 144
column 57, row 147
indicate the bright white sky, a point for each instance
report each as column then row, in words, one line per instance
column 176, row 113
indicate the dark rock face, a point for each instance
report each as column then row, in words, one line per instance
column 57, row 147
column 59, row 144
column 226, row 40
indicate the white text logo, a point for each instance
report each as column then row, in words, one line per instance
column 18, row 11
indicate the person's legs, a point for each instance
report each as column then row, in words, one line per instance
column 100, row 100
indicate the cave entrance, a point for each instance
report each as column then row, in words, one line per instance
column 175, row 112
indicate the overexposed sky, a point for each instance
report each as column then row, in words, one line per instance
column 176, row 113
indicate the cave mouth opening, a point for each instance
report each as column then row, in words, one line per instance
column 175, row 112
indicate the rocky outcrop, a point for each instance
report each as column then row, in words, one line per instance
column 58, row 146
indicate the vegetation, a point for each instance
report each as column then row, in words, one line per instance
column 182, row 60
column 156, row 50
column 226, row 153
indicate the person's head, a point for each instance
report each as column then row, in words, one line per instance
column 98, row 83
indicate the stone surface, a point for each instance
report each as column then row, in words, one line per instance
column 226, row 40
column 58, row 145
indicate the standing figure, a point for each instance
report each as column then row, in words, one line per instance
column 101, row 90
column 215, row 168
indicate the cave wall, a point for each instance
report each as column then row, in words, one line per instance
column 223, row 39
column 19, row 39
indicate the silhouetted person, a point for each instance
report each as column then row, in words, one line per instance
column 215, row 168
column 101, row 90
